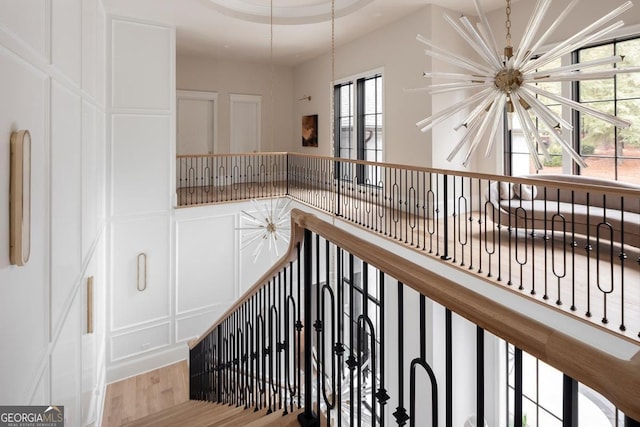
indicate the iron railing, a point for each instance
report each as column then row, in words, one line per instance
column 207, row 179
column 358, row 335
column 569, row 242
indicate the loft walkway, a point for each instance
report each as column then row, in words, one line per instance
column 565, row 242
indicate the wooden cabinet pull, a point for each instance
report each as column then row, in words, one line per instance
column 142, row 272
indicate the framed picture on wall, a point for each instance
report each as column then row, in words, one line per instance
column 310, row 131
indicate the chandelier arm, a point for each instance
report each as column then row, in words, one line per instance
column 502, row 101
column 533, row 154
column 478, row 110
column 448, row 112
column 585, row 75
column 542, row 6
column 458, row 61
column 611, row 119
column 573, row 67
column 552, row 117
column 490, row 54
column 252, row 218
column 472, row 39
column 547, row 33
column 284, row 238
column 564, row 144
column 485, row 27
column 491, row 113
column 529, row 127
column 471, row 131
column 258, row 249
column 568, row 46
column 248, row 242
column 452, row 87
column 452, row 58
column 459, row 76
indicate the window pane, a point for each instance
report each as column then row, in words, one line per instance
column 370, row 96
column 595, row 408
column 596, row 89
column 548, row 420
column 596, row 136
column 551, row 389
column 529, row 376
column 628, row 85
column 629, row 138
column 530, row 414
column 628, row 170
column 599, row 167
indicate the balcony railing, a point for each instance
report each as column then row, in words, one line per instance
column 570, row 243
column 358, row 335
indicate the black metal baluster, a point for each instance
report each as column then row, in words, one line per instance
column 604, row 227
column 623, row 257
column 588, row 248
column 400, row 413
column 351, row 361
column 339, row 348
column 518, row 394
column 445, row 206
column 307, row 418
column 382, row 394
column 479, row 230
column 448, row 349
column 569, row 402
column 479, row 377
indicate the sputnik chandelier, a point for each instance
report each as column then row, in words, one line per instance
column 269, row 224
column 509, row 80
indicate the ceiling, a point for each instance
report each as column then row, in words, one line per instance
column 240, row 29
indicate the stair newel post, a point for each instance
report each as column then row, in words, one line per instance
column 307, row 418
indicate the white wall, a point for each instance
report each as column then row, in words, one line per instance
column 227, row 77
column 395, row 50
column 52, row 62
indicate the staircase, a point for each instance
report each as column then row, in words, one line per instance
column 159, row 398
column 194, row 413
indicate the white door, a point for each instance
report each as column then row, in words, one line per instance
column 245, row 123
column 196, row 122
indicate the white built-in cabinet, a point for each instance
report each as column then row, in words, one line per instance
column 52, row 62
column 142, row 155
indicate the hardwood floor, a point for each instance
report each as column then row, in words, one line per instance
column 148, row 393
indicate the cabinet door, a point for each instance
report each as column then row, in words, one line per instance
column 141, row 271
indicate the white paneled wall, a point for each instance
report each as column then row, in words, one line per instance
column 141, row 106
column 52, row 57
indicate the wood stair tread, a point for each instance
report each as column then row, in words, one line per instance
column 194, row 413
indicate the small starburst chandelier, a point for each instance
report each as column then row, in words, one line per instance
column 509, row 80
column 268, row 224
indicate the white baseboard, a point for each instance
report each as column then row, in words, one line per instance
column 139, row 365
